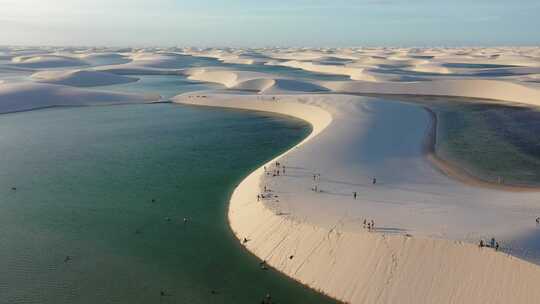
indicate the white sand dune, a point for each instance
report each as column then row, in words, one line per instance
column 158, row 60
column 474, row 88
column 232, row 56
column 30, row 96
column 145, row 63
column 47, row 61
column 81, row 78
column 253, row 81
column 104, row 58
column 354, row 73
column 318, row 239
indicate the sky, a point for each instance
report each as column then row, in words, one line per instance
column 256, row 23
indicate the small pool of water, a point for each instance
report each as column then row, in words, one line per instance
column 167, row 86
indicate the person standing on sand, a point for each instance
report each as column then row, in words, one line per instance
column 283, row 170
column 354, row 195
column 538, row 220
column 374, row 181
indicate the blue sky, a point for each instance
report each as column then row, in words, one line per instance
column 270, row 22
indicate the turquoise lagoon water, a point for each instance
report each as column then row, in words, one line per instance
column 109, row 187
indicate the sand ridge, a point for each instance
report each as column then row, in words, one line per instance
column 339, row 257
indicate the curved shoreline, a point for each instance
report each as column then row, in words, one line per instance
column 328, row 259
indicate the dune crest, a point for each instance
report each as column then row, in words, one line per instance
column 81, row 78
column 30, row 96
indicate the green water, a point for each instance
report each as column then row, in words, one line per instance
column 85, row 179
column 491, row 141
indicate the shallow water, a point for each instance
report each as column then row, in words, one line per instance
column 476, row 65
column 491, row 141
column 167, row 86
column 85, row 179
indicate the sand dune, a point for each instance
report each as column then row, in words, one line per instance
column 81, row 78
column 47, row 61
column 392, row 65
column 293, row 233
column 253, row 81
column 145, row 63
column 474, row 88
column 30, row 96
column 104, row 58
column 354, row 73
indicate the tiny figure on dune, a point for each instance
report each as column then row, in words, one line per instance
column 538, row 220
column 497, row 246
column 354, row 194
column 263, row 265
column 374, row 181
column 481, row 245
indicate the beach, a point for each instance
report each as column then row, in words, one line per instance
column 427, row 225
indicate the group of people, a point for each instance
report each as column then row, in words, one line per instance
column 276, row 171
column 263, row 195
column 492, row 243
column 369, row 225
